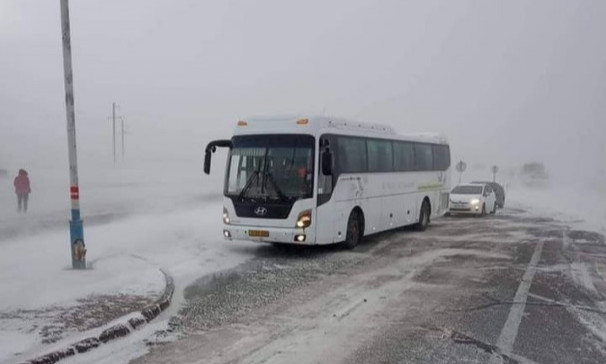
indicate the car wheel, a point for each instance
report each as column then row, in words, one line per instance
column 423, row 217
column 352, row 237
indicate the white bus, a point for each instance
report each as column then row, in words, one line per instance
column 322, row 180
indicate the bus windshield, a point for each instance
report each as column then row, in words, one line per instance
column 275, row 167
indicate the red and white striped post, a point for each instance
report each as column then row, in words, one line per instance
column 75, row 225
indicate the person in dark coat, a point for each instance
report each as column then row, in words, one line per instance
column 22, row 189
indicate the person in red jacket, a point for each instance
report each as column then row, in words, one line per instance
column 22, row 189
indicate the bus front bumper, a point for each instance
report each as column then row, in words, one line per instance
column 266, row 234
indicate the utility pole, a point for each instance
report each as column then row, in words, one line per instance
column 76, row 228
column 114, row 130
column 122, row 139
column 114, row 117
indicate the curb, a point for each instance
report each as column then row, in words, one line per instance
column 114, row 332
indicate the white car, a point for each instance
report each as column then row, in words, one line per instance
column 476, row 198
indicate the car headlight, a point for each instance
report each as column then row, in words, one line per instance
column 304, row 219
column 475, row 201
column 225, row 216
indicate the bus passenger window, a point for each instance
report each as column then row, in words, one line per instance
column 324, row 184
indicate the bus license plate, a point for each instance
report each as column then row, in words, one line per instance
column 258, row 233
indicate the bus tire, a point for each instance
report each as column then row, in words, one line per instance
column 281, row 246
column 354, row 232
column 423, row 217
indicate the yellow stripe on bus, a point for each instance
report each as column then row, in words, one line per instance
column 430, row 186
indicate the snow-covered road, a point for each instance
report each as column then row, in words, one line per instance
column 402, row 294
column 514, row 288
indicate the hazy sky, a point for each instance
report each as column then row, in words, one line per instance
column 508, row 81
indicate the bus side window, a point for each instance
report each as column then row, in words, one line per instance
column 423, row 157
column 350, row 155
column 325, row 183
column 380, row 156
column 441, row 157
column 404, row 156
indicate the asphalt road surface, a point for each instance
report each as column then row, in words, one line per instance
column 510, row 288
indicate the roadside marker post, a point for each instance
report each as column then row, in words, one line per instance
column 76, row 228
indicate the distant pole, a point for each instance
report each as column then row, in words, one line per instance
column 76, row 229
column 122, row 139
column 114, row 130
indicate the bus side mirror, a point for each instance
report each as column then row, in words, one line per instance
column 207, row 157
column 326, row 162
column 211, row 148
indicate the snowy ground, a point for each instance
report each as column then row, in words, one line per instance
column 584, row 207
column 135, row 225
column 137, row 222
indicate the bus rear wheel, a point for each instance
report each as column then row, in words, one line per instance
column 423, row 217
column 352, row 237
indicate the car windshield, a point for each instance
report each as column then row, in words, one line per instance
column 467, row 190
column 271, row 167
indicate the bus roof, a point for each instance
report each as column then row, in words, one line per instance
column 317, row 125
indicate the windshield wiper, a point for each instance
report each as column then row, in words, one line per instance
column 248, row 184
column 281, row 194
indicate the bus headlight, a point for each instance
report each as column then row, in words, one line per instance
column 304, row 219
column 225, row 216
column 475, row 201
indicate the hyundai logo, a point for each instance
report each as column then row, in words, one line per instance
column 261, row 211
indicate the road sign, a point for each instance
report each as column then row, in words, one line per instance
column 494, row 170
column 461, row 167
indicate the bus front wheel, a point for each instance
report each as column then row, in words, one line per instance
column 352, row 237
column 423, row 217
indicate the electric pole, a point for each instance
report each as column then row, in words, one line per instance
column 114, row 117
column 122, row 139
column 114, row 130
column 76, row 228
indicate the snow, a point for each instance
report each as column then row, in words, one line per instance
column 43, row 285
column 582, row 207
column 123, row 350
column 138, row 221
column 141, row 222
